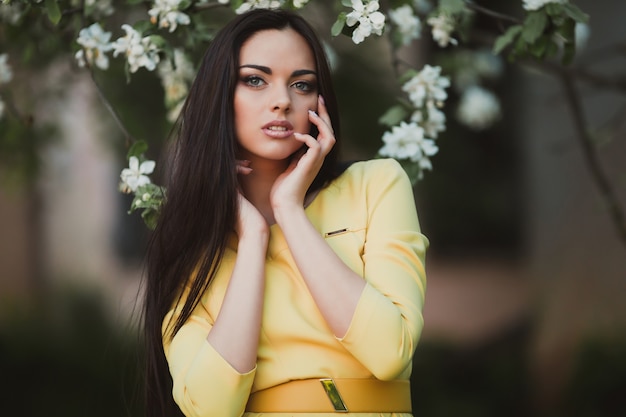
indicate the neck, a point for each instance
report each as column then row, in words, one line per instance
column 257, row 185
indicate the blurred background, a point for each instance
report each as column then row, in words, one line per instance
column 525, row 312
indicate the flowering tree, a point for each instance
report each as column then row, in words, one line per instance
column 157, row 36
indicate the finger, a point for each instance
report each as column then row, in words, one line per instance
column 243, row 167
column 243, row 170
column 308, row 140
column 326, row 136
column 323, row 112
column 322, row 125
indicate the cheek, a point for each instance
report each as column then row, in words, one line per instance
column 242, row 111
column 304, row 105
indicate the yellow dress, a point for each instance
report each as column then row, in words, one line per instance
column 368, row 217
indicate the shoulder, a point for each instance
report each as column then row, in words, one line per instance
column 368, row 181
column 373, row 172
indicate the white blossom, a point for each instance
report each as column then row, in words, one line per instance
column 298, row 4
column 11, row 13
column 258, row 4
column 6, row 74
column 331, row 56
column 408, row 24
column 180, row 70
column 443, row 26
column 434, row 121
column 174, row 112
column 140, row 52
column 167, row 13
column 136, row 175
column 175, row 79
column 99, row 8
column 368, row 17
column 407, row 141
column 428, row 85
column 538, row 4
column 478, row 108
column 95, row 44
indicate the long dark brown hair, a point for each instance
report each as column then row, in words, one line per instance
column 200, row 209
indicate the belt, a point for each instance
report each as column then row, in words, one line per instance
column 328, row 395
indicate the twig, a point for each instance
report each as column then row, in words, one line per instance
column 591, row 157
column 600, row 81
column 613, row 84
column 128, row 137
column 488, row 12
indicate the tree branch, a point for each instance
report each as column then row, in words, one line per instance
column 614, row 83
column 591, row 156
column 488, row 12
column 129, row 139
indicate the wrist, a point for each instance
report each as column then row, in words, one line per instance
column 287, row 212
column 255, row 236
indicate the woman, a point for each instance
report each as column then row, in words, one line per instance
column 276, row 282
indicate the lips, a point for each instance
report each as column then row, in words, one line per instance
column 278, row 129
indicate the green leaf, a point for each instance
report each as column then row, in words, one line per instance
column 184, row 4
column 346, row 3
column 553, row 9
column 158, row 40
column 54, row 13
column 568, row 31
column 538, row 49
column 506, row 39
column 575, row 13
column 534, row 25
column 551, row 49
column 142, row 26
column 519, row 49
column 339, row 24
column 150, row 218
column 410, row 73
column 393, row 116
column 137, row 149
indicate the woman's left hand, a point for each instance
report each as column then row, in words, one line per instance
column 291, row 186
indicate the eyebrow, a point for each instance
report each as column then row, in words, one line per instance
column 268, row 70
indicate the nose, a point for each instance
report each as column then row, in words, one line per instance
column 281, row 100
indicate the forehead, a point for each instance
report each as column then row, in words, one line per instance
column 277, row 48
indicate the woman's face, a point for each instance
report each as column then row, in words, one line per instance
column 277, row 87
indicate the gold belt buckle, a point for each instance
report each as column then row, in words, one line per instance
column 333, row 395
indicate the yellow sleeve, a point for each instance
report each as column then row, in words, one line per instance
column 388, row 319
column 204, row 384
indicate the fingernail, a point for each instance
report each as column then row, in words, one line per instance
column 322, row 99
column 312, row 112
